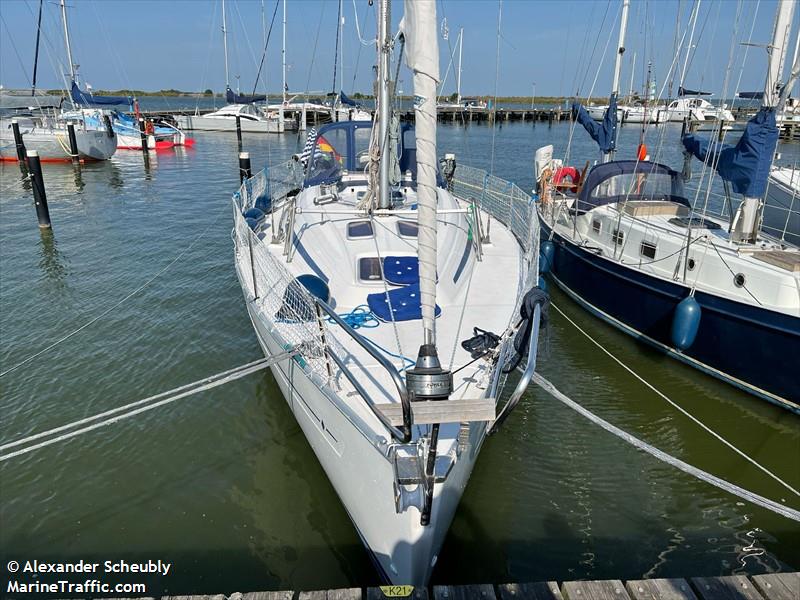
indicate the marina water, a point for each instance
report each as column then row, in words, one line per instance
column 223, row 484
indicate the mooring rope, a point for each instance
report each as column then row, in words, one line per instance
column 705, row 427
column 134, row 408
column 770, row 505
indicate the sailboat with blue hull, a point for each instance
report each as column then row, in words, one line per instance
column 627, row 245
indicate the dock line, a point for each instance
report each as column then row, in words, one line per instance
column 731, row 488
column 108, row 310
column 141, row 406
column 686, row 413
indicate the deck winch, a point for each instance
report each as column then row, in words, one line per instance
column 428, row 380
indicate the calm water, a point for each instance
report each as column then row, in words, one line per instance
column 224, row 485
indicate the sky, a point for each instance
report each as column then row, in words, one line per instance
column 552, row 48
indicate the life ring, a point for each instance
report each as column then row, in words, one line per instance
column 574, row 177
column 148, row 128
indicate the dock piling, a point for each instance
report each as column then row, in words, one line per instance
column 73, row 142
column 18, row 141
column 245, row 172
column 39, row 194
column 143, row 134
column 109, row 128
column 239, row 132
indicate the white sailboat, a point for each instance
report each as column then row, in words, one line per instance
column 251, row 120
column 368, row 260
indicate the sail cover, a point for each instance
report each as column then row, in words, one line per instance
column 604, row 133
column 682, row 91
column 746, row 165
column 422, row 57
column 346, row 101
column 88, row 99
column 232, row 98
column 751, row 95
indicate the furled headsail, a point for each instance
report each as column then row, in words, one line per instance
column 747, row 164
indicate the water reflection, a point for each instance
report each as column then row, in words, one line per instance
column 52, row 263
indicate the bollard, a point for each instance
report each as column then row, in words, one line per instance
column 109, row 128
column 244, row 166
column 143, row 134
column 18, row 141
column 239, row 131
column 39, row 194
column 73, row 142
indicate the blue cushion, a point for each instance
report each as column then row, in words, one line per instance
column 405, row 304
column 401, row 270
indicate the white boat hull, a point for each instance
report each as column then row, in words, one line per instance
column 53, row 144
column 205, row 123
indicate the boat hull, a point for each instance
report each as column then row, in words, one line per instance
column 53, row 145
column 204, row 123
column 403, row 551
column 745, row 345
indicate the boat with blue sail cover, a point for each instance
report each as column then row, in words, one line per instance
column 372, row 264
column 628, row 246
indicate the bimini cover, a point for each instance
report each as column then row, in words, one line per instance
column 746, row 165
column 82, row 98
column 232, row 98
column 621, row 180
column 405, row 304
column 605, row 132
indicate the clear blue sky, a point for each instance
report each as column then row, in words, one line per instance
column 151, row 45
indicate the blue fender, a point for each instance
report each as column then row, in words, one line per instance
column 685, row 323
column 547, row 253
column 542, row 284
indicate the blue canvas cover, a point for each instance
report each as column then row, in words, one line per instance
column 405, row 304
column 604, row 133
column 346, row 101
column 401, row 270
column 746, row 165
column 82, row 98
column 232, row 98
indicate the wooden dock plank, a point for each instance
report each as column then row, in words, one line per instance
column 447, row 411
column 376, row 593
column 778, row 586
column 483, row 591
column 660, row 589
column 345, row 594
column 609, row 589
column 735, row 587
column 314, row 595
column 541, row 590
column 284, row 595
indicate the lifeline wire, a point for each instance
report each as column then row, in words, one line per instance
column 771, row 505
column 149, row 404
column 105, row 312
column 676, row 406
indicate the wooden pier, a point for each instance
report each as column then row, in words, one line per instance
column 774, row 586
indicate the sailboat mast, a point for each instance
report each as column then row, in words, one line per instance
column 623, row 26
column 693, row 19
column 341, row 46
column 36, row 52
column 777, row 52
column 66, row 41
column 458, row 80
column 283, row 52
column 384, row 109
column 633, row 72
column 224, row 45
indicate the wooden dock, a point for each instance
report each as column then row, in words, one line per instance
column 774, row 586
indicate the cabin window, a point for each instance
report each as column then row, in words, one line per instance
column 369, row 269
column 360, row 229
column 618, row 237
column 596, row 226
column 739, row 280
column 648, row 249
column 407, row 229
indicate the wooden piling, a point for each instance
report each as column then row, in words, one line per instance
column 143, row 134
column 239, row 132
column 73, row 142
column 18, row 141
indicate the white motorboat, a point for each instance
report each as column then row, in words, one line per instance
column 339, row 264
column 632, row 113
column 697, row 109
column 50, row 138
column 250, row 118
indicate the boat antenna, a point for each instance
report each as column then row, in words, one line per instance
column 36, row 52
column 66, row 41
column 336, row 48
column 224, row 45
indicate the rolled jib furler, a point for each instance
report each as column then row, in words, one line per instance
column 300, row 307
